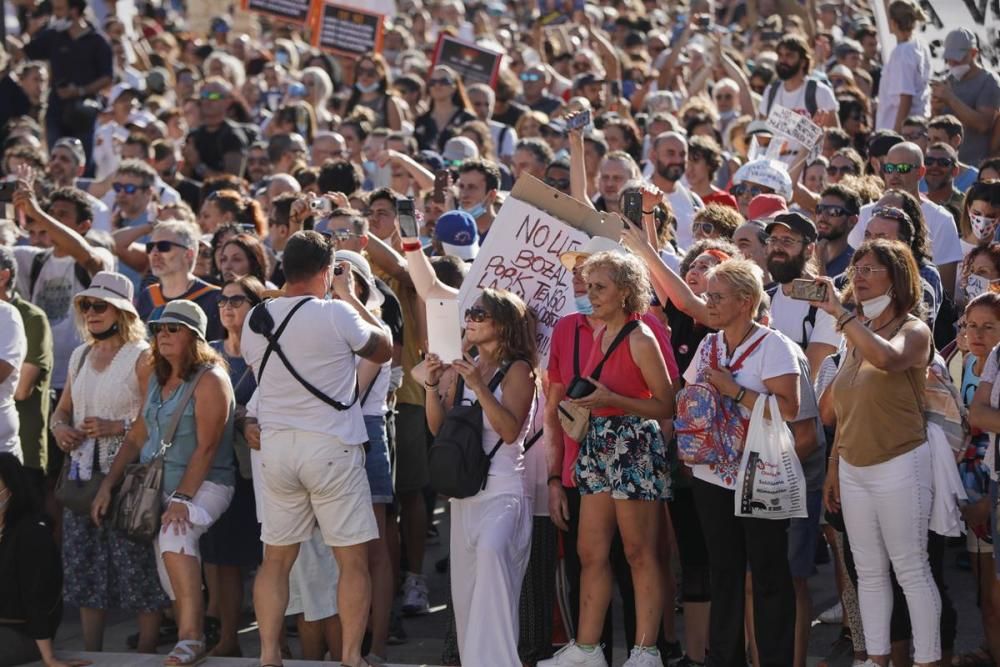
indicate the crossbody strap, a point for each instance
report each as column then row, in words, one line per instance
column 535, row 438
column 272, row 342
column 368, row 390
column 576, row 351
column 629, row 327
column 167, row 437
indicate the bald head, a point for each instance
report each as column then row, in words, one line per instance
column 903, row 167
column 907, row 152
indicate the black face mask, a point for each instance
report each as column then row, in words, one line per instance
column 670, row 172
column 788, row 270
column 106, row 334
column 786, row 72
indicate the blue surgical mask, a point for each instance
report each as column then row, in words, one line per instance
column 583, row 305
column 370, row 88
column 476, row 211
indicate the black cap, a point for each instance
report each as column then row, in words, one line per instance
column 880, row 142
column 586, row 79
column 797, row 223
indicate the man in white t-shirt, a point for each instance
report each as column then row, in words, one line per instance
column 668, row 156
column 793, row 89
column 907, row 72
column 311, row 448
column 791, row 244
column 902, row 169
column 57, row 265
column 13, row 349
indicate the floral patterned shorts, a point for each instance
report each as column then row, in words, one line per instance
column 625, row 456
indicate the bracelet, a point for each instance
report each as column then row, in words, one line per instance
column 649, row 212
column 432, row 386
column 740, row 394
column 180, row 497
column 414, row 246
column 554, row 478
column 841, row 325
column 58, row 423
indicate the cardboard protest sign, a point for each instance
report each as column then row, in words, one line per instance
column 792, row 130
column 291, row 11
column 474, row 63
column 521, row 253
column 347, row 31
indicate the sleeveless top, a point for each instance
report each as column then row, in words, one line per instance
column 158, row 415
column 112, row 393
column 380, row 107
column 507, row 468
column 620, row 374
column 880, row 414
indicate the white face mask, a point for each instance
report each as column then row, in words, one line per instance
column 976, row 285
column 957, row 72
column 982, row 226
column 60, row 25
column 872, row 308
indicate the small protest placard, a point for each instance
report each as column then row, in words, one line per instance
column 785, row 122
column 474, row 63
column 347, row 30
column 292, row 11
column 556, row 12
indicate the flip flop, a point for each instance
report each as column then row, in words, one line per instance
column 187, row 653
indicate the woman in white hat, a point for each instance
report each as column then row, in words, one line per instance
column 198, row 471
column 107, row 376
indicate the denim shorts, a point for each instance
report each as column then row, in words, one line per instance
column 377, row 460
column 624, row 456
column 803, row 537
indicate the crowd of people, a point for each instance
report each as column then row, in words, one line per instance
column 217, row 248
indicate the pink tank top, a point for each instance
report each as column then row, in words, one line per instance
column 620, row 374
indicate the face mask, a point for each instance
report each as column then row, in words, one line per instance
column 874, row 307
column 786, row 72
column 370, row 88
column 671, row 172
column 728, row 115
column 61, row 25
column 390, row 56
column 369, row 166
column 107, row 333
column 583, row 305
column 476, row 211
column 982, row 226
column 959, row 71
column 976, row 285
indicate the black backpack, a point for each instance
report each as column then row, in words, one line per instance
column 810, row 319
column 457, row 464
column 38, row 261
column 811, row 106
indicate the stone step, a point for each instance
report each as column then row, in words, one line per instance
column 136, row 660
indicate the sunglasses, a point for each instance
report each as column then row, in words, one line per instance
column 342, row 234
column 557, row 183
column 939, row 162
column 864, row 270
column 531, row 77
column 441, row 82
column 753, row 191
column 212, row 96
column 706, row 228
column 897, row 168
column 233, row 301
column 86, row 305
column 169, row 327
column 128, row 188
column 477, row 314
column 843, row 170
column 832, row 210
column 162, row 246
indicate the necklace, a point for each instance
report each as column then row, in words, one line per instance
column 753, row 325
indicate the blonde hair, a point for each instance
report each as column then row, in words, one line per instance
column 130, row 328
column 745, row 277
column 628, row 274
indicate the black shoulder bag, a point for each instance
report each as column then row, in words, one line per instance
column 458, row 466
column 262, row 323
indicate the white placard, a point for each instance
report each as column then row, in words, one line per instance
column 800, row 129
column 521, row 254
column 444, row 329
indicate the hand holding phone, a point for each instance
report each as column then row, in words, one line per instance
column 442, row 181
column 805, row 289
column 632, row 207
column 408, row 227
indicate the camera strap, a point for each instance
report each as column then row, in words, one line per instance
column 629, row 327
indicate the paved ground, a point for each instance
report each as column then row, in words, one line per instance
column 426, row 633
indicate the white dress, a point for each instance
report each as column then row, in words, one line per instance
column 111, row 393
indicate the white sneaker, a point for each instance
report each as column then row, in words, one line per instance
column 833, row 616
column 641, row 657
column 571, row 655
column 416, row 599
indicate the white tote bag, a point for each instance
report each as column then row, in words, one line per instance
column 770, row 483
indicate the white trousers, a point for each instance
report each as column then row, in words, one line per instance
column 490, row 545
column 887, row 512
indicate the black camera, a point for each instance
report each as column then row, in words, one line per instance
column 580, row 388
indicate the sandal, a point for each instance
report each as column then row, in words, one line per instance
column 980, row 657
column 187, row 653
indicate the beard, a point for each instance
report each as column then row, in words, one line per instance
column 786, row 72
column 670, row 172
column 786, row 270
column 833, row 234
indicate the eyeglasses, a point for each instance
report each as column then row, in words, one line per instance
column 782, row 241
column 162, row 246
column 441, row 82
column 212, row 95
column 531, row 77
column 128, row 188
column 892, row 213
column 864, row 270
column 706, row 228
column 715, row 297
column 557, row 183
column 86, row 305
column 169, row 327
column 842, row 170
column 939, row 162
column 342, row 234
column 232, row 301
column 897, row 168
column 832, row 210
column 477, row 314
column 753, row 190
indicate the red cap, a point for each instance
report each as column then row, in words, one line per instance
column 763, row 207
column 722, row 199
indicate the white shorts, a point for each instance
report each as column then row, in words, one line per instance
column 312, row 584
column 214, row 499
column 311, row 478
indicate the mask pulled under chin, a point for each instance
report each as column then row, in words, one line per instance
column 370, row 88
column 106, row 334
column 872, row 308
column 476, row 211
column 583, row 305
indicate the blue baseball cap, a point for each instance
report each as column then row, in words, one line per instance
column 457, row 232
